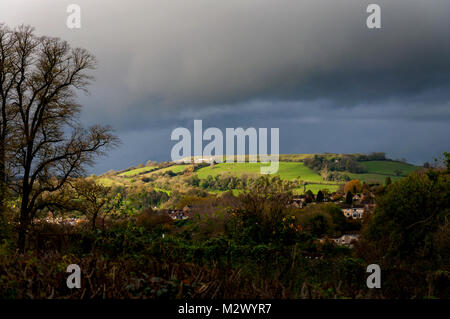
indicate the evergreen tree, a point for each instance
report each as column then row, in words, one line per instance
column 349, row 198
column 319, row 197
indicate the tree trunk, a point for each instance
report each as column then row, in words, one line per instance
column 2, row 178
column 21, row 240
column 24, row 221
column 93, row 221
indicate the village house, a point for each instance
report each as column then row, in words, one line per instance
column 180, row 214
column 195, row 159
column 354, row 212
column 204, row 160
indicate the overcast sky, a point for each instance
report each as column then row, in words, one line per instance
column 311, row 68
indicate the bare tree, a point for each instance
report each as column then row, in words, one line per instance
column 8, row 76
column 50, row 144
column 95, row 201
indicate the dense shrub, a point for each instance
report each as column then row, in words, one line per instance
column 325, row 219
column 410, row 225
column 151, row 220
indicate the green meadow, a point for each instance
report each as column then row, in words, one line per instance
column 173, row 168
column 379, row 170
column 290, row 167
column 141, row 171
column 286, row 170
column 317, row 187
column 134, row 172
column 388, row 167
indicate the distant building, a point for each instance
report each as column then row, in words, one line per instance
column 355, row 212
column 204, row 160
column 178, row 214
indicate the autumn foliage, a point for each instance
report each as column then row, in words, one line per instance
column 353, row 186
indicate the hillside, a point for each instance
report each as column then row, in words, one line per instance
column 388, row 167
column 379, row 170
column 291, row 167
column 287, row 170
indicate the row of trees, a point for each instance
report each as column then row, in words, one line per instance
column 344, row 163
column 42, row 145
column 374, row 156
column 226, row 182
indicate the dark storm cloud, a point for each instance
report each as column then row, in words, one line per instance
column 263, row 63
column 178, row 54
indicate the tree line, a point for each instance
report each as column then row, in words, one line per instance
column 345, row 163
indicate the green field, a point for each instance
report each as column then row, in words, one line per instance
column 135, row 172
column 173, row 168
column 287, row 170
column 142, row 170
column 317, row 187
column 379, row 170
column 301, row 157
column 388, row 167
column 376, row 171
column 108, row 182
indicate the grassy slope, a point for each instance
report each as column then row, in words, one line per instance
column 134, row 172
column 137, row 171
column 317, row 187
column 108, row 182
column 287, row 170
column 300, row 157
column 173, row 168
column 376, row 170
column 379, row 170
column 388, row 168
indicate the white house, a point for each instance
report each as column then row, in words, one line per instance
column 355, row 213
